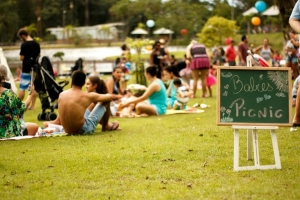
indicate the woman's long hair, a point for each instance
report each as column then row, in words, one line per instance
column 152, row 70
column 101, row 87
column 173, row 70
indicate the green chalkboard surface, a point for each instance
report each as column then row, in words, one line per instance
column 254, row 96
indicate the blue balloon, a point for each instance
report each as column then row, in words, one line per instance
column 260, row 6
column 150, row 23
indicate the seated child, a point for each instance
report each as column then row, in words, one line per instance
column 182, row 94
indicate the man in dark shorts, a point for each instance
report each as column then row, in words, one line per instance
column 30, row 51
column 243, row 48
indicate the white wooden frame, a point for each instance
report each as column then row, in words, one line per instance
column 252, row 142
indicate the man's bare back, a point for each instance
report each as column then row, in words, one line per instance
column 72, row 106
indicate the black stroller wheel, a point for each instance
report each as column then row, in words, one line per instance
column 42, row 116
column 51, row 116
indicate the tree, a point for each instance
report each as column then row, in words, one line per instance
column 9, row 20
column 138, row 45
column 221, row 8
column 216, row 29
column 285, row 8
column 106, row 30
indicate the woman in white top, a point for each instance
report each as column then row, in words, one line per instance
column 266, row 51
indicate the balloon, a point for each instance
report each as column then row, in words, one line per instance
column 183, row 31
column 150, row 23
column 227, row 41
column 149, row 47
column 260, row 6
column 255, row 21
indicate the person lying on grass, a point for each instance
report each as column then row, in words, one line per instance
column 155, row 93
column 95, row 84
column 73, row 112
column 12, row 110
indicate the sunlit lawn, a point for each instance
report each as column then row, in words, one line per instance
column 184, row 156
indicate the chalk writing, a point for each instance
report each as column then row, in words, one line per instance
column 251, row 86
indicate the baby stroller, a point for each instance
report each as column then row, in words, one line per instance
column 78, row 66
column 47, row 88
column 257, row 59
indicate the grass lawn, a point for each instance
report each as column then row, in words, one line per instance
column 184, row 156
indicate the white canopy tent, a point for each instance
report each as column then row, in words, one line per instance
column 272, row 11
column 139, row 31
column 250, row 11
column 163, row 31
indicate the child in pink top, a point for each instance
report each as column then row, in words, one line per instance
column 210, row 80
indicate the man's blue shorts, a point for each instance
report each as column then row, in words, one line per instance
column 25, row 81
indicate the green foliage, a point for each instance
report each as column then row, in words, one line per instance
column 31, row 29
column 50, row 37
column 183, row 156
column 141, row 25
column 8, row 20
column 175, row 14
column 138, row 45
column 59, row 55
column 216, row 30
column 38, row 39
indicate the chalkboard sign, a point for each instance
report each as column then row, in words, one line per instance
column 254, row 96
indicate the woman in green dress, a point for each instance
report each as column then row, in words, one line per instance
column 11, row 111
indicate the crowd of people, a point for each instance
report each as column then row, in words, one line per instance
column 171, row 83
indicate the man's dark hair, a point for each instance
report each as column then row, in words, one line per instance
column 243, row 38
column 177, row 82
column 22, row 32
column 78, row 78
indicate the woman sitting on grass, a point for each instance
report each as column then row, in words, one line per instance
column 155, row 93
column 114, row 86
column 171, row 73
column 12, row 110
column 95, row 84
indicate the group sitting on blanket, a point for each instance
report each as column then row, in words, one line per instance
column 92, row 106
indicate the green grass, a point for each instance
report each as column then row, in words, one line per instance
column 183, row 156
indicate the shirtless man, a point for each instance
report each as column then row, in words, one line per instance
column 73, row 114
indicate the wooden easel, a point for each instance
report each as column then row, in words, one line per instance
column 252, row 142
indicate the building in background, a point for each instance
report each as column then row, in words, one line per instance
column 110, row 31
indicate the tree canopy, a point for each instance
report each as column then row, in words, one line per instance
column 191, row 15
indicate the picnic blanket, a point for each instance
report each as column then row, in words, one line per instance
column 186, row 111
column 51, row 131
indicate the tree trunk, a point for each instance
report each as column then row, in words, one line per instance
column 285, row 7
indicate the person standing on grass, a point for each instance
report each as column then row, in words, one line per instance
column 295, row 18
column 29, row 54
column 73, row 112
column 266, row 51
column 295, row 24
column 231, row 53
column 156, row 58
column 243, row 48
column 200, row 63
